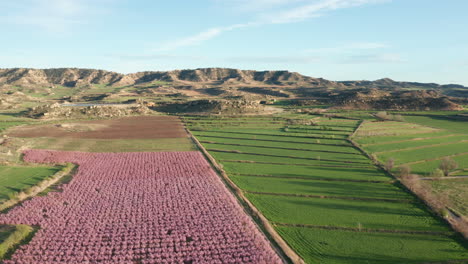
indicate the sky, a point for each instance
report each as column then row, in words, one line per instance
column 406, row 40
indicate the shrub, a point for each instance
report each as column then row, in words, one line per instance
column 447, row 165
column 437, row 173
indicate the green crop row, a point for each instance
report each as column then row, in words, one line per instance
column 347, row 213
column 298, row 145
column 319, row 171
column 391, row 138
column 349, row 247
column 425, row 153
column 325, row 188
column 300, row 154
column 254, row 135
column 415, row 143
column 458, row 126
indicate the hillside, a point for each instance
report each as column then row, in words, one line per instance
column 25, row 87
column 73, row 77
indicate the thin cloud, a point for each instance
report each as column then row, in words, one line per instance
column 200, row 37
column 351, row 47
column 373, row 58
column 314, row 9
column 157, row 57
column 303, row 12
column 275, row 59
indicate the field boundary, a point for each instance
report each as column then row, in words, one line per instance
column 287, row 253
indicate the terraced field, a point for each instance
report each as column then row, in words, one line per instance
column 424, row 152
column 417, row 148
column 323, row 196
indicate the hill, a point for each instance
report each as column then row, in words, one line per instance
column 74, row 77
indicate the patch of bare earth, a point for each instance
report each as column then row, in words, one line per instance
column 142, row 127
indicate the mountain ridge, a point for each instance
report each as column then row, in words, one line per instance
column 76, row 77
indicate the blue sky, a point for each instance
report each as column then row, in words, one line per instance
column 407, row 40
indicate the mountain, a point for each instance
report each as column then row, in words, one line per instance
column 214, row 77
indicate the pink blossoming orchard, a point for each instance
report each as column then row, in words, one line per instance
column 158, row 207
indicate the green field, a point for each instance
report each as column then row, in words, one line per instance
column 14, row 179
column 320, row 188
column 317, row 172
column 406, row 156
column 312, row 176
column 422, row 151
column 456, row 190
column 425, row 168
column 347, row 213
column 442, row 122
column 265, row 137
column 415, row 142
column 348, row 247
column 300, row 154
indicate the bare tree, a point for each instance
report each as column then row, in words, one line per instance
column 390, row 164
column 447, row 165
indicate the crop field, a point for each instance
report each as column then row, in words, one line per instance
column 423, row 152
column 14, row 179
column 456, row 191
column 131, row 134
column 166, row 207
column 344, row 246
column 317, row 189
column 148, row 127
column 442, row 122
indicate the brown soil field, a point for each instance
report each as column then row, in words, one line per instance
column 142, row 127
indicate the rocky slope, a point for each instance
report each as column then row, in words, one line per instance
column 73, row 77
